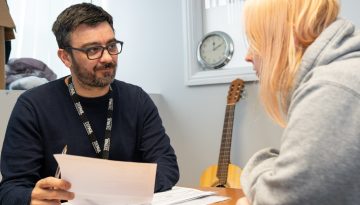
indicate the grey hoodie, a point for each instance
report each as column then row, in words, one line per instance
column 319, row 157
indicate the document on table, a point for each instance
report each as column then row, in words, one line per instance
column 99, row 181
column 186, row 196
column 183, row 196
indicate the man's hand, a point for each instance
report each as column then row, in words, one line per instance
column 50, row 190
column 243, row 201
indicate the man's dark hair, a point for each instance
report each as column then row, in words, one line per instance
column 73, row 16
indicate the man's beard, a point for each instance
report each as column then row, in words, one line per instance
column 90, row 79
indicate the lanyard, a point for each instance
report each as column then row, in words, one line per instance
column 86, row 122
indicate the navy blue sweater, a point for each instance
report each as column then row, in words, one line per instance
column 44, row 119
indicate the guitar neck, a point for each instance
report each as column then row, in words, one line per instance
column 224, row 156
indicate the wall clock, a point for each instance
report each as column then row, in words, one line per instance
column 215, row 50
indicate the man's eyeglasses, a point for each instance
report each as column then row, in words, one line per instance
column 96, row 52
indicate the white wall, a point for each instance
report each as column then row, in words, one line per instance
column 349, row 10
column 193, row 116
column 7, row 99
column 153, row 58
column 34, row 38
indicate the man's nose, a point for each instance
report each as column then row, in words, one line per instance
column 106, row 57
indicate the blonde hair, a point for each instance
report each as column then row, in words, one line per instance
column 279, row 31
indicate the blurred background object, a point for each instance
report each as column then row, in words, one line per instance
column 26, row 73
column 6, row 34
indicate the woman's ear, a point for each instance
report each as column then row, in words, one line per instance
column 64, row 57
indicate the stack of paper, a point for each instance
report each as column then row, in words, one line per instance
column 106, row 182
column 182, row 195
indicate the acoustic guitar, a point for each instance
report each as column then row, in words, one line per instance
column 225, row 174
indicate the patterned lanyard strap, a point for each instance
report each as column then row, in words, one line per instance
column 86, row 122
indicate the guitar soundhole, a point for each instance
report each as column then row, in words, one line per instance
column 220, row 186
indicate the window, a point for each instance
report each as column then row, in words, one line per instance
column 201, row 17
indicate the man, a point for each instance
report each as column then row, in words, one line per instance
column 76, row 111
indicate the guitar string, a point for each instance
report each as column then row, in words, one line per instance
column 225, row 154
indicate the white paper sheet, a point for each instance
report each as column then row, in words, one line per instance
column 205, row 200
column 186, row 196
column 99, row 182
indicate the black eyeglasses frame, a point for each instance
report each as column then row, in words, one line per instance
column 87, row 50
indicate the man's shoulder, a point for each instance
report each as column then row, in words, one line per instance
column 129, row 93
column 120, row 83
column 46, row 90
column 125, row 87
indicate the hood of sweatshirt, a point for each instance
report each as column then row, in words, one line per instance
column 334, row 56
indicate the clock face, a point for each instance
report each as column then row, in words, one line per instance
column 215, row 50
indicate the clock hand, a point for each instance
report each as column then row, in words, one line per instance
column 214, row 48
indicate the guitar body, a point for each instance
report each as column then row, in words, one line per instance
column 225, row 174
column 209, row 178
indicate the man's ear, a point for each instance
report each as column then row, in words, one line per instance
column 65, row 57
